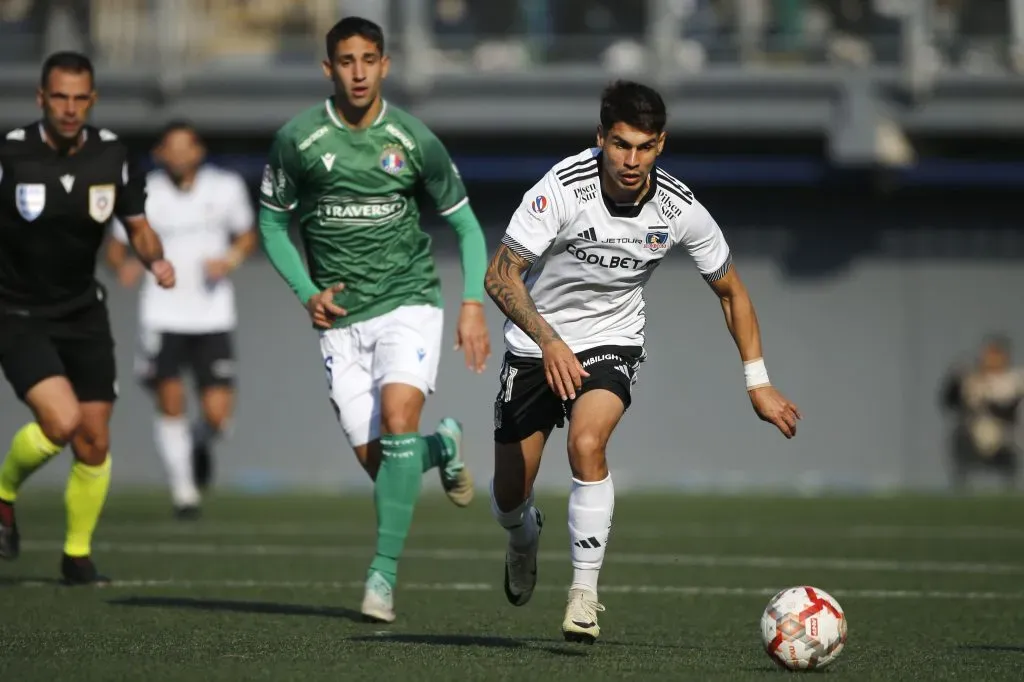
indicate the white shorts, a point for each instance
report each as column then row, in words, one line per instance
column 400, row 347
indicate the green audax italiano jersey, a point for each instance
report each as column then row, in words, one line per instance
column 358, row 195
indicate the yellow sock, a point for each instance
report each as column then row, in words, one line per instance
column 30, row 449
column 84, row 498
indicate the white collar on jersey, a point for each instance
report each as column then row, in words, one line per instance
column 336, row 120
column 42, row 134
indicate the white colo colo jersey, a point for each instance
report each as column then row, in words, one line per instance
column 591, row 258
column 195, row 225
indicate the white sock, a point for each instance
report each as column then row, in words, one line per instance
column 174, row 443
column 520, row 523
column 590, row 521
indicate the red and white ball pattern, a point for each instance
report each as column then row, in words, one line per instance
column 803, row 628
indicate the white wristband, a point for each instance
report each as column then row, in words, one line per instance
column 755, row 374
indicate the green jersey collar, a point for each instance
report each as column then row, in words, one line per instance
column 336, row 120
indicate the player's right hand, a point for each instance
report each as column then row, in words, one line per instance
column 164, row 273
column 322, row 308
column 564, row 372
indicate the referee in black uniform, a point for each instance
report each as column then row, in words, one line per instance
column 60, row 182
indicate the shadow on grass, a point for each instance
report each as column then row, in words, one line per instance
column 262, row 607
column 471, row 641
column 994, row 648
column 28, row 581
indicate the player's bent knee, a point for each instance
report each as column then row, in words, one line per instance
column 586, row 445
column 60, row 426
column 400, row 408
column 399, row 422
column 587, row 456
column 91, row 446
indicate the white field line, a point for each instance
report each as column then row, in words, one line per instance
column 439, row 554
column 641, row 532
column 656, row 590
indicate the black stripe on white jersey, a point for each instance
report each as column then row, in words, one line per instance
column 573, row 168
column 672, row 185
column 718, row 274
column 518, row 249
column 583, row 175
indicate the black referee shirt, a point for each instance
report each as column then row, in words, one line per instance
column 54, row 210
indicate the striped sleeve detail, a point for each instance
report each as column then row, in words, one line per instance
column 448, row 211
column 711, row 277
column 519, row 249
column 272, row 207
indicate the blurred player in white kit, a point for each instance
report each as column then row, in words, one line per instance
column 205, row 217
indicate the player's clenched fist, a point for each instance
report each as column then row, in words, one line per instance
column 564, row 372
column 772, row 407
column 163, row 271
column 323, row 311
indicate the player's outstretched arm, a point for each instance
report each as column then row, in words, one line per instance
column 504, row 284
column 741, row 319
column 147, row 246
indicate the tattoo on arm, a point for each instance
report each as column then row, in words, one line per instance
column 505, row 286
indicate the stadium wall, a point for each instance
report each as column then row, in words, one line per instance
column 861, row 316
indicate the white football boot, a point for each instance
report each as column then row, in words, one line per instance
column 580, row 624
column 378, row 600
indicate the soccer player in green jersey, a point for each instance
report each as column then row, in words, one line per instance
column 355, row 169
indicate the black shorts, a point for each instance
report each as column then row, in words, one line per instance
column 526, row 404
column 77, row 345
column 165, row 355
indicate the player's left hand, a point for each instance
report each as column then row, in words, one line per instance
column 472, row 336
column 163, row 271
column 772, row 407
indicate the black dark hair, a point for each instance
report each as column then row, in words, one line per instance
column 998, row 341
column 634, row 104
column 179, row 124
column 354, row 26
column 74, row 62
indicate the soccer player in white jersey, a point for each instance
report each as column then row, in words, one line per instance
column 205, row 217
column 569, row 276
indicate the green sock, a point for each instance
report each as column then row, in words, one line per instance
column 436, row 452
column 30, row 449
column 394, row 496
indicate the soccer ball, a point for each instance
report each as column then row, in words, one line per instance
column 803, row 628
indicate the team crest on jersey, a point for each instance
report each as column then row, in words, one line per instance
column 101, row 202
column 656, row 240
column 392, row 160
column 31, row 200
column 539, row 204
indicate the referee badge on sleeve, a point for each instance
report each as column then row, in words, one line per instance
column 31, row 200
column 101, row 202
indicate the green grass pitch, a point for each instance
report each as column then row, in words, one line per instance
column 268, row 588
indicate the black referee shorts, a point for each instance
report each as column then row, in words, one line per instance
column 77, row 345
column 526, row 404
